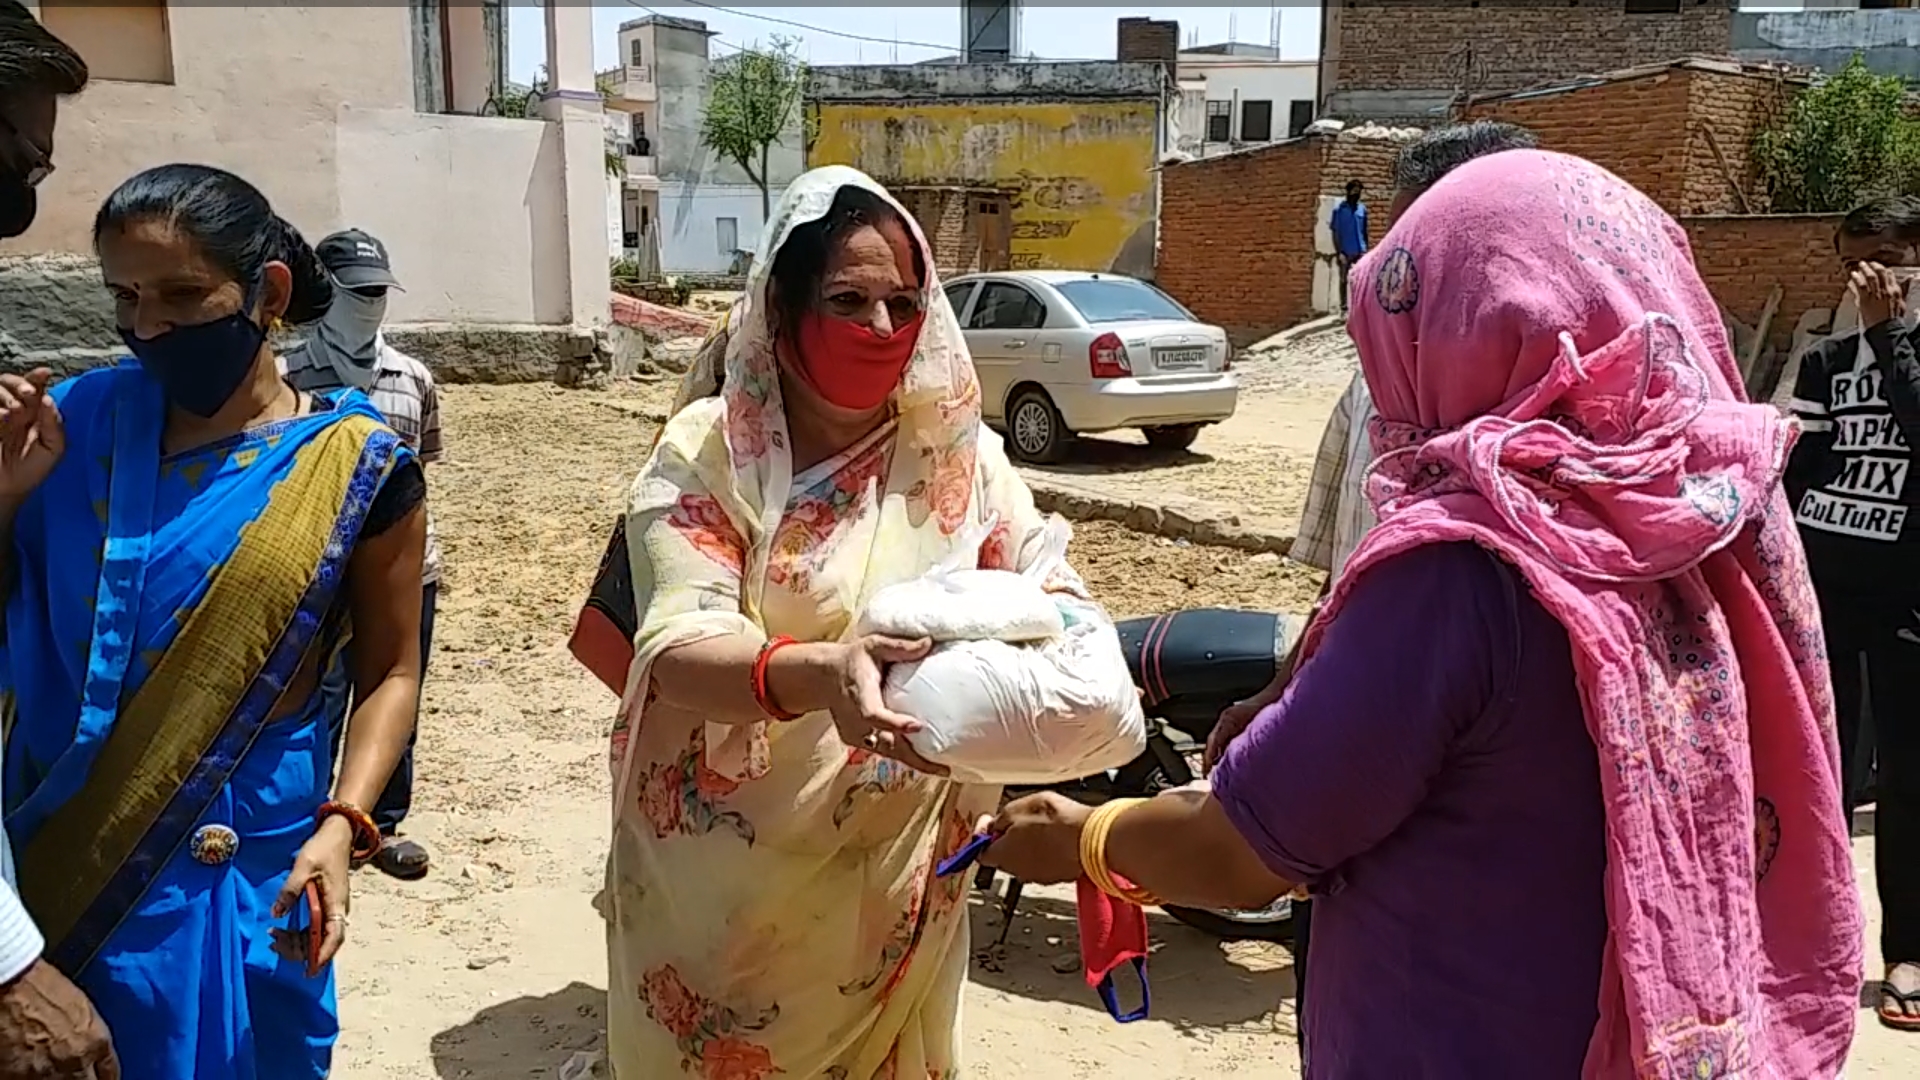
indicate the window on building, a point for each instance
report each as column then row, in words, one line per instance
column 1299, row 118
column 125, row 42
column 1653, row 7
column 1256, row 121
column 727, row 231
column 1219, row 121
column 634, row 55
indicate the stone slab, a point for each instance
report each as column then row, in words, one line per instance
column 1170, row 516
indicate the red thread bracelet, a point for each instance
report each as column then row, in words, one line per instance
column 762, row 695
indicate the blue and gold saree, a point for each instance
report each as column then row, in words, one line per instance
column 161, row 607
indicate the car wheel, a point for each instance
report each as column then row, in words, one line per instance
column 1172, row 437
column 1034, row 428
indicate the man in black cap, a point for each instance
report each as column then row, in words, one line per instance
column 347, row 351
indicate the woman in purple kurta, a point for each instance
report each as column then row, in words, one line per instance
column 1558, row 763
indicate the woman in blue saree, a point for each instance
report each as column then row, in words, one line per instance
column 190, row 542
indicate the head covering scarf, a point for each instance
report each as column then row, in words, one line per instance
column 1553, row 383
column 734, row 377
column 770, row 891
column 729, row 434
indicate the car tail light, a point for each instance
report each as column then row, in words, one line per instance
column 1107, row 358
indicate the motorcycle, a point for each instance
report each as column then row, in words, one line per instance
column 1189, row 666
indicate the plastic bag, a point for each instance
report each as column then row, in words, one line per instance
column 1041, row 713
column 956, row 602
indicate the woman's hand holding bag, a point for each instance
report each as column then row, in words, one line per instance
column 859, row 711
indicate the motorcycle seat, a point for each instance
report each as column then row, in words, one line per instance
column 1205, row 652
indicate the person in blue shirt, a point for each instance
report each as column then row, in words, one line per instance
column 1349, row 226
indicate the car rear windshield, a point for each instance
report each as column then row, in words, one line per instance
column 1105, row 300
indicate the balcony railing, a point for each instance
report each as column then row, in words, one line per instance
column 636, row 83
column 641, row 165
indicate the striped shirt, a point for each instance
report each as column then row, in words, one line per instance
column 1337, row 514
column 404, row 392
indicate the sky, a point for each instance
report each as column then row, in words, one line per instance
column 906, row 33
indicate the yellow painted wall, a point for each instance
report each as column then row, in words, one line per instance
column 1081, row 172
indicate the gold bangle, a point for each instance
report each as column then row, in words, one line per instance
column 1093, row 852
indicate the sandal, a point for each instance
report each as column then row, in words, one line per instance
column 1895, row 1006
column 403, row 859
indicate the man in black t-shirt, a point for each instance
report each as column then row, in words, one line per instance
column 1858, row 506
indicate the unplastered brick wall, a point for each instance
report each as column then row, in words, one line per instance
column 1496, row 45
column 1148, row 41
column 1237, row 230
column 942, row 214
column 1725, row 112
column 1666, row 132
column 1742, row 257
column 1636, row 128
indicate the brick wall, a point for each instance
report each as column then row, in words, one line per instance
column 1653, row 131
column 1498, row 45
column 1149, row 41
column 942, row 214
column 1237, row 230
column 1734, row 108
column 1741, row 258
column 1635, row 128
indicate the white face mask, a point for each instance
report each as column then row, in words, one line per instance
column 350, row 333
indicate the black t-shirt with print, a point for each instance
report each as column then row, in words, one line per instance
column 1851, row 475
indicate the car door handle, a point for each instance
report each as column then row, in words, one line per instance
column 1016, row 344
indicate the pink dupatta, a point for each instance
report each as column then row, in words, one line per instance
column 1553, row 383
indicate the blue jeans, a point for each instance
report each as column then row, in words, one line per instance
column 336, row 689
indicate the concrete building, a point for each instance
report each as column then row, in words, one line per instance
column 1407, row 61
column 493, row 223
column 1234, row 95
column 1887, row 39
column 1019, row 165
column 681, row 205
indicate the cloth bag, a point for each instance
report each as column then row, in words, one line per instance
column 1005, row 705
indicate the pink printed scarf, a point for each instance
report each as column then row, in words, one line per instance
column 1554, row 384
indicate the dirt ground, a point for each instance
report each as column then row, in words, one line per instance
column 1256, row 462
column 493, row 967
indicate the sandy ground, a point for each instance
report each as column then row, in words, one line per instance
column 493, row 967
column 1256, row 462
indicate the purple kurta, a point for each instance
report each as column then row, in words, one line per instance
column 1429, row 774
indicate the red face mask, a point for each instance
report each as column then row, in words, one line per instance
column 849, row 364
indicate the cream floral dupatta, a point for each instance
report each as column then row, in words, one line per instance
column 771, row 904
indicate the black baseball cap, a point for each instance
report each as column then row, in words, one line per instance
column 356, row 260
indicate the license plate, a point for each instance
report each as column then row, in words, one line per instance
column 1179, row 359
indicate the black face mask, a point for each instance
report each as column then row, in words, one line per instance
column 18, row 205
column 200, row 366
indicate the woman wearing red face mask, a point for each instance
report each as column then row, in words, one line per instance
column 771, row 902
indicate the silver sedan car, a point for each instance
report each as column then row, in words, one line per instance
column 1068, row 352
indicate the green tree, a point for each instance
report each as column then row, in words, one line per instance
column 1846, row 139
column 616, row 156
column 754, row 101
